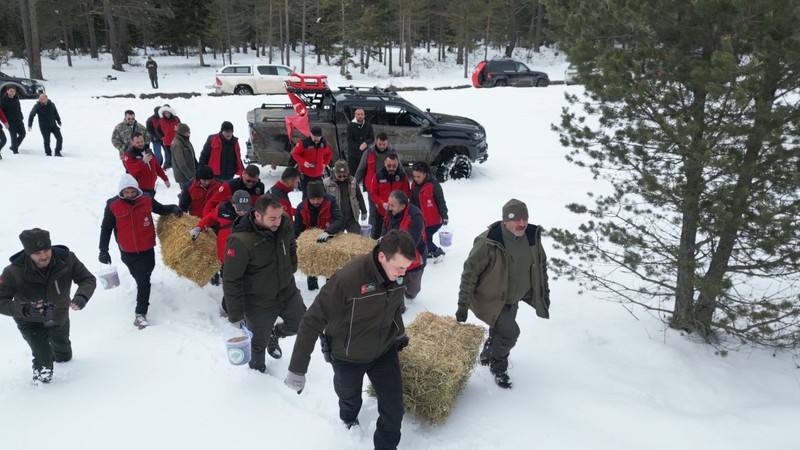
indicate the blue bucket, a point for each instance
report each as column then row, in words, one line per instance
column 237, row 343
column 445, row 238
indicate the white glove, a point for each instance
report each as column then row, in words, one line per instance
column 195, row 232
column 295, row 382
column 324, row 236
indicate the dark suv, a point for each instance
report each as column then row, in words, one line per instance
column 450, row 144
column 26, row 87
column 507, row 72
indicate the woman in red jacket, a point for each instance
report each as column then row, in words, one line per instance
column 427, row 195
column 167, row 129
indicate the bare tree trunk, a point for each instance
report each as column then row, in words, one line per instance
column 89, row 14
column 283, row 43
column 26, row 31
column 116, row 58
column 511, row 30
column 303, row 39
column 67, row 47
column 36, row 57
column 288, row 40
column 200, row 49
column 389, row 56
column 270, row 41
column 538, row 35
column 402, row 44
column 122, row 40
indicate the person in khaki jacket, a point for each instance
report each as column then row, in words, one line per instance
column 122, row 136
column 506, row 264
column 358, row 316
column 345, row 190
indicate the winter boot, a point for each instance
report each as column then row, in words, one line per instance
column 351, row 424
column 215, row 279
column 438, row 255
column 58, row 154
column 43, row 375
column 273, row 346
column 141, row 321
column 313, row 284
column 499, row 368
column 486, row 353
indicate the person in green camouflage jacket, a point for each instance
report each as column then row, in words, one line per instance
column 121, row 136
column 35, row 291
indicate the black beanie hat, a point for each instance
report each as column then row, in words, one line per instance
column 226, row 126
column 35, row 240
column 204, row 173
column 315, row 189
column 316, row 131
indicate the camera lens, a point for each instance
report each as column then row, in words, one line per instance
column 49, row 315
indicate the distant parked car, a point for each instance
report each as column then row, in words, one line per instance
column 249, row 79
column 507, row 72
column 571, row 75
column 26, row 87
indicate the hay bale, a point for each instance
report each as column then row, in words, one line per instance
column 436, row 364
column 196, row 260
column 325, row 258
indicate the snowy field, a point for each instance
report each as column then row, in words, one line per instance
column 592, row 377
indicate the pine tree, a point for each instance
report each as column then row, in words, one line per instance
column 689, row 114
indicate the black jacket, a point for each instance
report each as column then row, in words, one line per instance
column 12, row 109
column 357, row 134
column 48, row 115
column 152, row 126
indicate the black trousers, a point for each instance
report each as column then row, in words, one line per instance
column 353, row 159
column 167, row 156
column 141, row 266
column 261, row 320
column 504, row 335
column 384, row 374
column 55, row 131
column 47, row 344
column 375, row 219
column 154, row 81
column 3, row 139
column 17, row 133
column 304, row 180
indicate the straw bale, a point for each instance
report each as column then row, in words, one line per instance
column 196, row 260
column 325, row 258
column 437, row 364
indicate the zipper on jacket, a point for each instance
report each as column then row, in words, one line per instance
column 58, row 290
column 350, row 332
column 380, row 332
column 283, row 244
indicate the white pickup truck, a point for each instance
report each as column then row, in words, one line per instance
column 249, row 79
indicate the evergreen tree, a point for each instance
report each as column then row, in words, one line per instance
column 690, row 114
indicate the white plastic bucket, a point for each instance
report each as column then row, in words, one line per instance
column 108, row 276
column 237, row 344
column 445, row 237
column 366, row 230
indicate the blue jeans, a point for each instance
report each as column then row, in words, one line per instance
column 157, row 152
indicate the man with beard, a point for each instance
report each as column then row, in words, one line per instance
column 221, row 152
column 510, row 263
column 140, row 162
column 250, row 181
column 344, row 189
column 359, row 137
column 258, row 278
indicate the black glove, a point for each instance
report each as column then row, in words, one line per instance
column 177, row 211
column 80, row 301
column 444, row 222
column 33, row 309
column 104, row 257
column 462, row 313
column 401, row 342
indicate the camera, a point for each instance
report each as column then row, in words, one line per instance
column 49, row 315
column 325, row 346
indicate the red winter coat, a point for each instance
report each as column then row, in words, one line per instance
column 427, row 203
column 222, row 220
column 211, row 156
column 226, row 190
column 199, row 196
column 307, row 151
column 417, row 232
column 145, row 174
column 281, row 192
column 134, row 224
column 383, row 184
column 169, row 128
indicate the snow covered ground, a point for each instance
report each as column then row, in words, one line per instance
column 593, row 376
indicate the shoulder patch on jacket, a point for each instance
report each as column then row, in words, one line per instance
column 230, row 252
column 221, row 189
column 367, row 288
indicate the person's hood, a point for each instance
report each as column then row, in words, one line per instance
column 125, row 182
column 164, row 109
column 155, row 110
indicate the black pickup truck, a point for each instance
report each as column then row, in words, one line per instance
column 450, row 144
column 26, row 87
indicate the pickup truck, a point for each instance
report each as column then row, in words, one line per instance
column 26, row 87
column 450, row 144
column 249, row 79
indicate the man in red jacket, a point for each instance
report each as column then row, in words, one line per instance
column 140, row 162
column 290, row 180
column 390, row 178
column 312, row 155
column 129, row 216
column 319, row 210
column 198, row 191
column 250, row 181
column 221, row 152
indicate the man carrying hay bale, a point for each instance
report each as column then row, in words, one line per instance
column 196, row 192
column 290, row 181
column 258, row 278
column 319, row 210
column 250, row 181
column 128, row 215
column 401, row 215
column 511, row 265
column 359, row 316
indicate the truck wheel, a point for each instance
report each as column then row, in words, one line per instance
column 455, row 167
column 541, row 82
column 501, row 83
column 243, row 90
